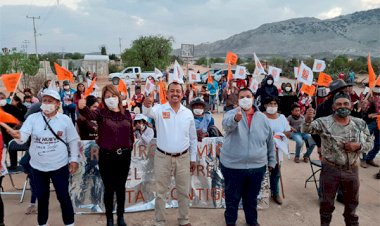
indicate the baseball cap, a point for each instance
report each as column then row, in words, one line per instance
column 51, row 93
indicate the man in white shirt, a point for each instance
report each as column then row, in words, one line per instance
column 176, row 151
column 49, row 154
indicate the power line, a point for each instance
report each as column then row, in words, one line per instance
column 24, row 46
column 35, row 31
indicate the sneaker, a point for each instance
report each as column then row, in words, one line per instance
column 296, row 159
column 277, row 199
column 32, row 209
column 372, row 163
column 306, row 159
column 363, row 164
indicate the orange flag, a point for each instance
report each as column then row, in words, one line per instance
column 309, row 90
column 371, row 73
column 209, row 78
column 378, row 81
column 378, row 121
column 11, row 81
column 7, row 118
column 162, row 93
column 229, row 73
column 89, row 89
column 231, row 58
column 122, row 87
column 324, row 79
column 63, row 73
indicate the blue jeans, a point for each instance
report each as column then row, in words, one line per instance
column 376, row 147
column 70, row 110
column 242, row 184
column 299, row 138
column 212, row 101
column 60, row 179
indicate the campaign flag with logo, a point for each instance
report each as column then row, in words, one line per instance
column 240, row 72
column 254, row 85
column 11, row 81
column 63, row 73
column 305, row 75
column 231, row 58
column 194, row 77
column 275, row 72
column 178, row 74
column 319, row 65
column 157, row 74
column 149, row 87
column 324, row 79
column 309, row 90
column 258, row 65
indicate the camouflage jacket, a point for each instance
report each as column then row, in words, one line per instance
column 334, row 136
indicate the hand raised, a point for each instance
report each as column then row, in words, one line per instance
column 238, row 115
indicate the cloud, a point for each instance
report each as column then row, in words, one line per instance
column 138, row 20
column 71, row 4
column 370, row 4
column 334, row 12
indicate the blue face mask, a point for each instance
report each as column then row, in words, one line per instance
column 343, row 112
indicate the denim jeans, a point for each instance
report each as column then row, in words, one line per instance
column 70, row 110
column 242, row 184
column 60, row 179
column 212, row 102
column 376, row 147
column 299, row 138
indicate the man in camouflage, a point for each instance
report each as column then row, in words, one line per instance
column 343, row 139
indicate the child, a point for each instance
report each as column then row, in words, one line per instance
column 138, row 98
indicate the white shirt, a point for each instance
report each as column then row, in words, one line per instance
column 175, row 131
column 146, row 136
column 279, row 125
column 46, row 151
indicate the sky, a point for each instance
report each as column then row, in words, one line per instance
column 85, row 25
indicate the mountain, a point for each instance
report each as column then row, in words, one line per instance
column 353, row 34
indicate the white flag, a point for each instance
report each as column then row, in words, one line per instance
column 157, row 74
column 275, row 72
column 296, row 71
column 240, row 72
column 305, row 75
column 254, row 85
column 149, row 87
column 177, row 74
column 258, row 65
column 194, row 77
column 319, row 65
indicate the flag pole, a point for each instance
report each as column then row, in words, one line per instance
column 14, row 92
column 279, row 170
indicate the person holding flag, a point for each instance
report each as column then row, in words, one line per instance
column 176, row 150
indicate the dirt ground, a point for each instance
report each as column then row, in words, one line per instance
column 300, row 206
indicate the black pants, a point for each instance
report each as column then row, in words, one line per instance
column 60, row 180
column 138, row 105
column 114, row 171
column 1, row 204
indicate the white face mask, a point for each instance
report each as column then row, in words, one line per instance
column 47, row 108
column 112, row 102
column 269, row 82
column 271, row 110
column 287, row 89
column 3, row 102
column 198, row 111
column 246, row 103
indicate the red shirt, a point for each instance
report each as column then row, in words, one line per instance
column 249, row 117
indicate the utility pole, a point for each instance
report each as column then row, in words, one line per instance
column 24, row 46
column 35, row 31
column 120, row 46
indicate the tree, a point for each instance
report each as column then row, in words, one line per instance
column 103, row 50
column 149, row 52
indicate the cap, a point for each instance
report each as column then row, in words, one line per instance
column 139, row 117
column 66, row 82
column 51, row 93
column 336, row 85
column 198, row 100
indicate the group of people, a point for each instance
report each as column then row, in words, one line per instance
column 250, row 122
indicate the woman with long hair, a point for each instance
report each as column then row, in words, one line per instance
column 115, row 140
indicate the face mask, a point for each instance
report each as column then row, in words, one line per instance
column 246, row 103
column 343, row 112
column 271, row 110
column 287, row 89
column 47, row 108
column 66, row 87
column 27, row 104
column 270, row 82
column 3, row 102
column 112, row 102
column 198, row 111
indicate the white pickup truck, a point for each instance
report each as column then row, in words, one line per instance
column 129, row 73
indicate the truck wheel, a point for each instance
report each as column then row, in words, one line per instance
column 115, row 81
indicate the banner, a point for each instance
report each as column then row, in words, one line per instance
column 194, row 77
column 305, row 74
column 11, row 81
column 240, row 72
column 275, row 72
column 319, row 65
column 207, row 183
column 309, row 90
